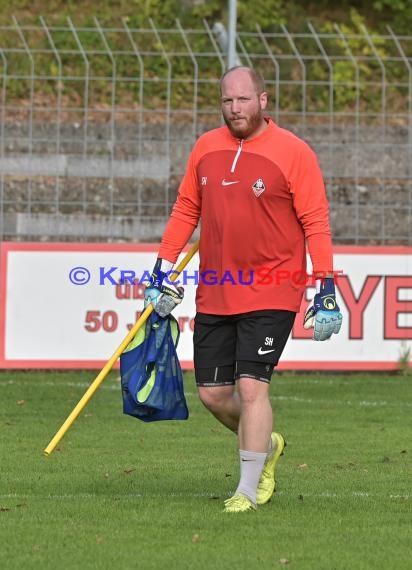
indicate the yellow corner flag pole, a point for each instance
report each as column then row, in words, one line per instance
column 110, row 363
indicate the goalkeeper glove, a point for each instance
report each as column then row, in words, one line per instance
column 323, row 314
column 163, row 296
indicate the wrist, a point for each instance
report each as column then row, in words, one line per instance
column 326, row 285
column 165, row 265
column 160, row 269
column 322, row 284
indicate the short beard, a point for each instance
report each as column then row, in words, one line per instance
column 243, row 132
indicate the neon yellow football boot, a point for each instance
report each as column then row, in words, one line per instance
column 267, row 483
column 238, row 504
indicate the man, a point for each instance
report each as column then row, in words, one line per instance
column 259, row 193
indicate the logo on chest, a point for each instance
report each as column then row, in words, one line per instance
column 258, row 187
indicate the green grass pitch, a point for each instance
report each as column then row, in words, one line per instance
column 120, row 494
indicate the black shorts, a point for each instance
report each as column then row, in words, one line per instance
column 228, row 347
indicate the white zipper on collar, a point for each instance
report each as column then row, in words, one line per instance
column 239, row 150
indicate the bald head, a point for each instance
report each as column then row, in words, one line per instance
column 243, row 100
column 255, row 77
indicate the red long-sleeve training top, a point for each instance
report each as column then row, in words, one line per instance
column 258, row 200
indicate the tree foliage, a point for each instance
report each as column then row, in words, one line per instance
column 352, row 81
column 264, row 13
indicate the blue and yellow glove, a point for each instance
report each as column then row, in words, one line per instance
column 163, row 295
column 323, row 314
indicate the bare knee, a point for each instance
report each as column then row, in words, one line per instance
column 252, row 391
column 215, row 398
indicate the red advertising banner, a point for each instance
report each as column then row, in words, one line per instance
column 70, row 306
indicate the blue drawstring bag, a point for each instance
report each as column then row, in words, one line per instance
column 151, row 376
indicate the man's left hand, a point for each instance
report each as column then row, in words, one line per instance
column 323, row 314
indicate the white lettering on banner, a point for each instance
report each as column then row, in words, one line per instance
column 79, row 324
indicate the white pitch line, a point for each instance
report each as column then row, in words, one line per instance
column 274, row 398
column 362, row 403
column 127, row 496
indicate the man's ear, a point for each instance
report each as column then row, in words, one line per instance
column 263, row 99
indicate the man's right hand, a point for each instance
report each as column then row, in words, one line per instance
column 163, row 296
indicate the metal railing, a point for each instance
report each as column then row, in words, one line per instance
column 96, row 123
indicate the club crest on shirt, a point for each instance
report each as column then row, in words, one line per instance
column 258, row 187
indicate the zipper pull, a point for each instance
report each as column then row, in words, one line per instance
column 239, row 150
